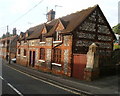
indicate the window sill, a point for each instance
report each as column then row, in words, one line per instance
column 56, row 64
column 41, row 60
column 42, row 42
column 24, row 56
column 18, row 55
column 57, row 41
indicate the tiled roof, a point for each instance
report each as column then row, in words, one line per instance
column 8, row 38
column 38, row 29
column 36, row 32
column 70, row 22
column 52, row 31
column 30, row 31
column 19, row 37
column 77, row 18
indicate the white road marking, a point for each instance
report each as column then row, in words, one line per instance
column 15, row 89
column 18, row 92
column 1, row 77
column 48, row 82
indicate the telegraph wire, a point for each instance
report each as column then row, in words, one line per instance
column 27, row 12
column 24, row 14
column 3, row 27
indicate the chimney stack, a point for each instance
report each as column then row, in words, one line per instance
column 50, row 15
column 14, row 31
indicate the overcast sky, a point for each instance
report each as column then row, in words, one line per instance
column 12, row 10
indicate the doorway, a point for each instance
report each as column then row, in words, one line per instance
column 32, row 58
column 33, row 64
column 79, row 64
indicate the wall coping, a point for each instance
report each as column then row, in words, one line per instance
column 57, row 41
column 56, row 64
column 41, row 60
column 42, row 42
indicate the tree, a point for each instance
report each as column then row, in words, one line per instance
column 116, row 29
column 3, row 36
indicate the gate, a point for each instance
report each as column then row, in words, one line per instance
column 79, row 63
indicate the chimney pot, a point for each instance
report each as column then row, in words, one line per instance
column 50, row 15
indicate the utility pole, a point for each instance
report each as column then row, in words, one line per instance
column 8, row 45
column 9, row 51
column 7, row 28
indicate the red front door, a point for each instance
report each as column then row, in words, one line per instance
column 79, row 63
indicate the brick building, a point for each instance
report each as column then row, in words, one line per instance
column 60, row 45
column 8, row 47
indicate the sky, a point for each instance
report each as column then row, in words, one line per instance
column 23, row 14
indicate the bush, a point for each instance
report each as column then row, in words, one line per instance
column 116, row 56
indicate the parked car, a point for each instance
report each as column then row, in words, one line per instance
column 13, row 60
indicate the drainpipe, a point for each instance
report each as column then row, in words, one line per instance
column 55, row 47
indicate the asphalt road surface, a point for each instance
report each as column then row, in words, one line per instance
column 16, row 82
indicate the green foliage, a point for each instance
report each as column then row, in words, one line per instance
column 116, row 56
column 116, row 47
column 116, row 29
column 3, row 36
column 6, row 35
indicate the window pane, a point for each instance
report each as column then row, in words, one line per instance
column 57, row 36
column 42, row 38
column 57, row 56
column 24, row 52
column 18, row 51
column 42, row 53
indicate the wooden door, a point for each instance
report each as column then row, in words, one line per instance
column 30, row 58
column 79, row 63
column 33, row 63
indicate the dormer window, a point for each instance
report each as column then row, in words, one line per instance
column 57, row 36
column 42, row 38
column 21, row 36
column 26, row 34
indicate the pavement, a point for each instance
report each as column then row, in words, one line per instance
column 103, row 86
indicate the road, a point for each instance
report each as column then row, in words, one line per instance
column 17, row 82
